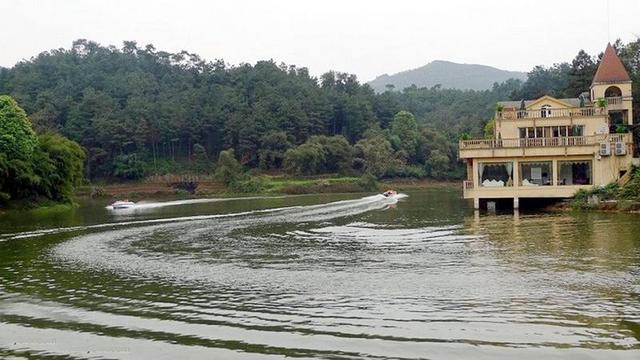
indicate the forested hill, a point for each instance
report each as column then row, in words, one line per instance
column 448, row 75
column 138, row 111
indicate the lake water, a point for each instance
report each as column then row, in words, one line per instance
column 321, row 276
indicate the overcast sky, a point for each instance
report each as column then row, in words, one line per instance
column 367, row 37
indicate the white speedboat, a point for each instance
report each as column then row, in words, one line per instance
column 390, row 193
column 126, row 204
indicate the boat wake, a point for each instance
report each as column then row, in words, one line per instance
column 146, row 206
column 135, row 250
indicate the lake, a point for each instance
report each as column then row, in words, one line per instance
column 336, row 276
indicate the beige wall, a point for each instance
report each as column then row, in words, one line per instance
column 604, row 170
column 509, row 129
column 598, row 91
column 547, row 100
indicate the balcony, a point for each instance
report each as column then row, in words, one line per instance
column 615, row 103
column 569, row 145
column 548, row 113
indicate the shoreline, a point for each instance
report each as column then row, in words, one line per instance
column 275, row 185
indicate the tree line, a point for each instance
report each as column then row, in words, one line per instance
column 138, row 111
column 35, row 166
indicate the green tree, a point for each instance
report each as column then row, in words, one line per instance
column 405, row 128
column 489, row 129
column 228, row 169
column 60, row 166
column 273, row 146
column 129, row 167
column 377, row 155
column 338, row 153
column 306, row 159
column 17, row 139
column 438, row 164
column 583, row 68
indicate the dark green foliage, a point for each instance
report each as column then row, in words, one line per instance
column 626, row 197
column 368, row 182
column 338, row 154
column 228, row 169
column 128, row 167
column 306, row 159
column 59, row 166
column 376, row 154
column 201, row 162
column 254, row 184
column 47, row 166
column 173, row 112
column 17, row 139
column 438, row 164
column 405, row 128
column 272, row 149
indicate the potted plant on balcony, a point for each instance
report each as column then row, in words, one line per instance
column 601, row 103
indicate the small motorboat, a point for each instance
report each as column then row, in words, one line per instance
column 390, row 193
column 123, row 204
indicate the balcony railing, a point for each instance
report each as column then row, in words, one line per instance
column 543, row 142
column 548, row 113
column 614, row 100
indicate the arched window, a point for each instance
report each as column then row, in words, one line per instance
column 545, row 111
column 612, row 91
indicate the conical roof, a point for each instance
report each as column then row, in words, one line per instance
column 611, row 68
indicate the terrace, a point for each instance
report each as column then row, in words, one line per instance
column 566, row 145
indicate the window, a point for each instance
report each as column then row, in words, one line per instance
column 576, row 130
column 538, row 173
column 578, row 172
column 545, row 111
column 523, row 133
column 495, row 174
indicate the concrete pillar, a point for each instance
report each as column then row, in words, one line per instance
column 476, row 203
column 474, row 174
column 516, row 203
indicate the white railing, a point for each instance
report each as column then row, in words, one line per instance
column 548, row 113
column 614, row 100
column 543, row 142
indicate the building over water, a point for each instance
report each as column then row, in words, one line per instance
column 551, row 148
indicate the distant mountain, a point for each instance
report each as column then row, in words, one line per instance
column 448, row 75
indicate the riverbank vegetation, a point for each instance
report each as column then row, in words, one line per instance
column 623, row 195
column 35, row 168
column 139, row 112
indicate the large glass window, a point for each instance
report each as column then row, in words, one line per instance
column 578, row 172
column 551, row 131
column 538, row 173
column 495, row 174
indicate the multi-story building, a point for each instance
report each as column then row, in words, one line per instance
column 550, row 148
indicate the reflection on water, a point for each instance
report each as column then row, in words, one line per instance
column 332, row 276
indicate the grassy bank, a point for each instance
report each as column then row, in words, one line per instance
column 623, row 195
column 258, row 184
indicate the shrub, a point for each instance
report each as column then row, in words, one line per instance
column 228, row 169
column 306, row 159
column 368, row 182
column 128, row 167
column 256, row 184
